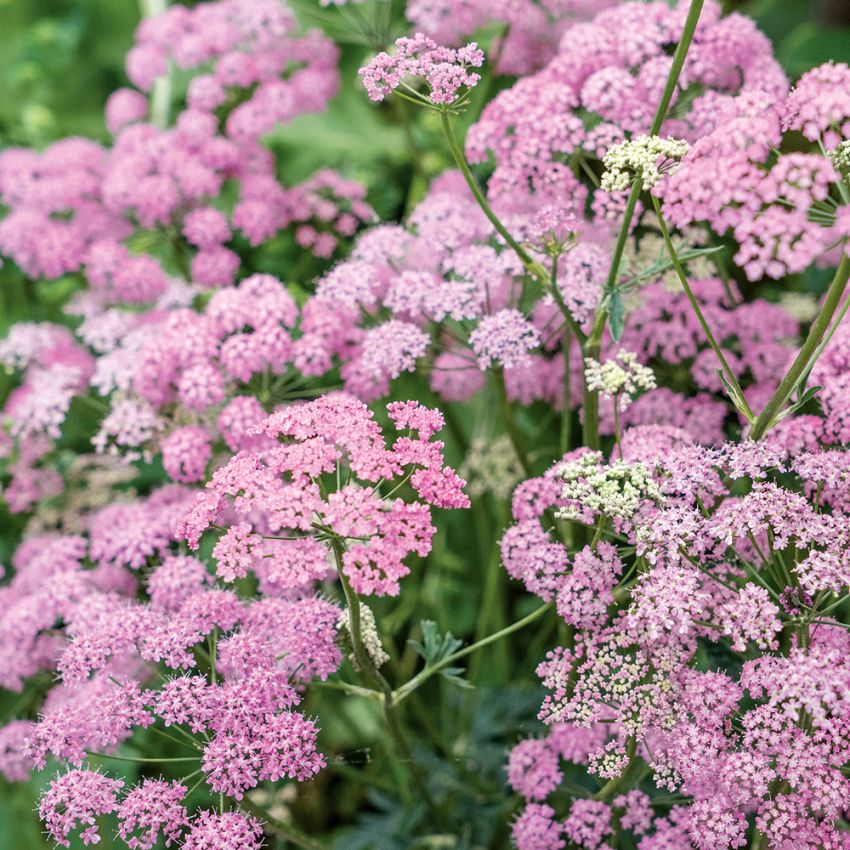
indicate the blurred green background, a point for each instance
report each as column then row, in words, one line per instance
column 60, row 59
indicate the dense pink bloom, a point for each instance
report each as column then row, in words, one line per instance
column 73, row 801
column 444, row 70
column 537, row 829
column 152, row 808
column 278, row 492
column 185, row 454
column 211, row 831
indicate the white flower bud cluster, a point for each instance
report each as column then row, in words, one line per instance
column 841, row 157
column 619, row 378
column 648, row 157
column 368, row 634
column 803, row 306
column 616, row 490
column 491, row 466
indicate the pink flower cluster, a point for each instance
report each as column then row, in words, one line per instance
column 532, row 29
column 282, row 500
column 710, row 549
column 74, row 204
column 603, row 86
column 779, row 209
column 444, row 70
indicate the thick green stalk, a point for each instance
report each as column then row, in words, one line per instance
column 509, row 421
column 530, row 264
column 804, row 359
column 712, row 341
column 161, row 94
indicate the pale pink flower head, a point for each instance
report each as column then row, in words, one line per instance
column 74, row 801
column 445, row 71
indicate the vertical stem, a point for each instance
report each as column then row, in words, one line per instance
column 160, row 99
column 682, row 48
column 804, row 359
column 594, row 343
column 566, row 410
column 509, row 421
column 377, row 680
column 593, row 350
column 617, row 433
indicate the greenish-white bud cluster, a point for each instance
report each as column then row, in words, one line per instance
column 616, row 490
column 803, row 306
column 647, row 157
column 491, row 466
column 368, row 634
column 841, row 157
column 620, row 378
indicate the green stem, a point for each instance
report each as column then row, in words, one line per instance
column 570, row 327
column 759, row 841
column 510, row 423
column 590, row 403
column 740, row 402
column 597, row 534
column 377, row 680
column 417, row 681
column 161, row 94
column 617, row 433
column 567, row 402
column 141, row 760
column 492, row 613
column 530, row 264
column 177, row 741
column 839, row 317
column 284, row 830
column 594, row 343
column 805, row 358
column 676, row 68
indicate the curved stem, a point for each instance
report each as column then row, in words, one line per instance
column 408, row 688
column 806, row 357
column 530, row 264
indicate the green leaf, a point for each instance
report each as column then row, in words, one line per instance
column 616, row 316
column 434, row 646
column 804, row 399
column 736, row 397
